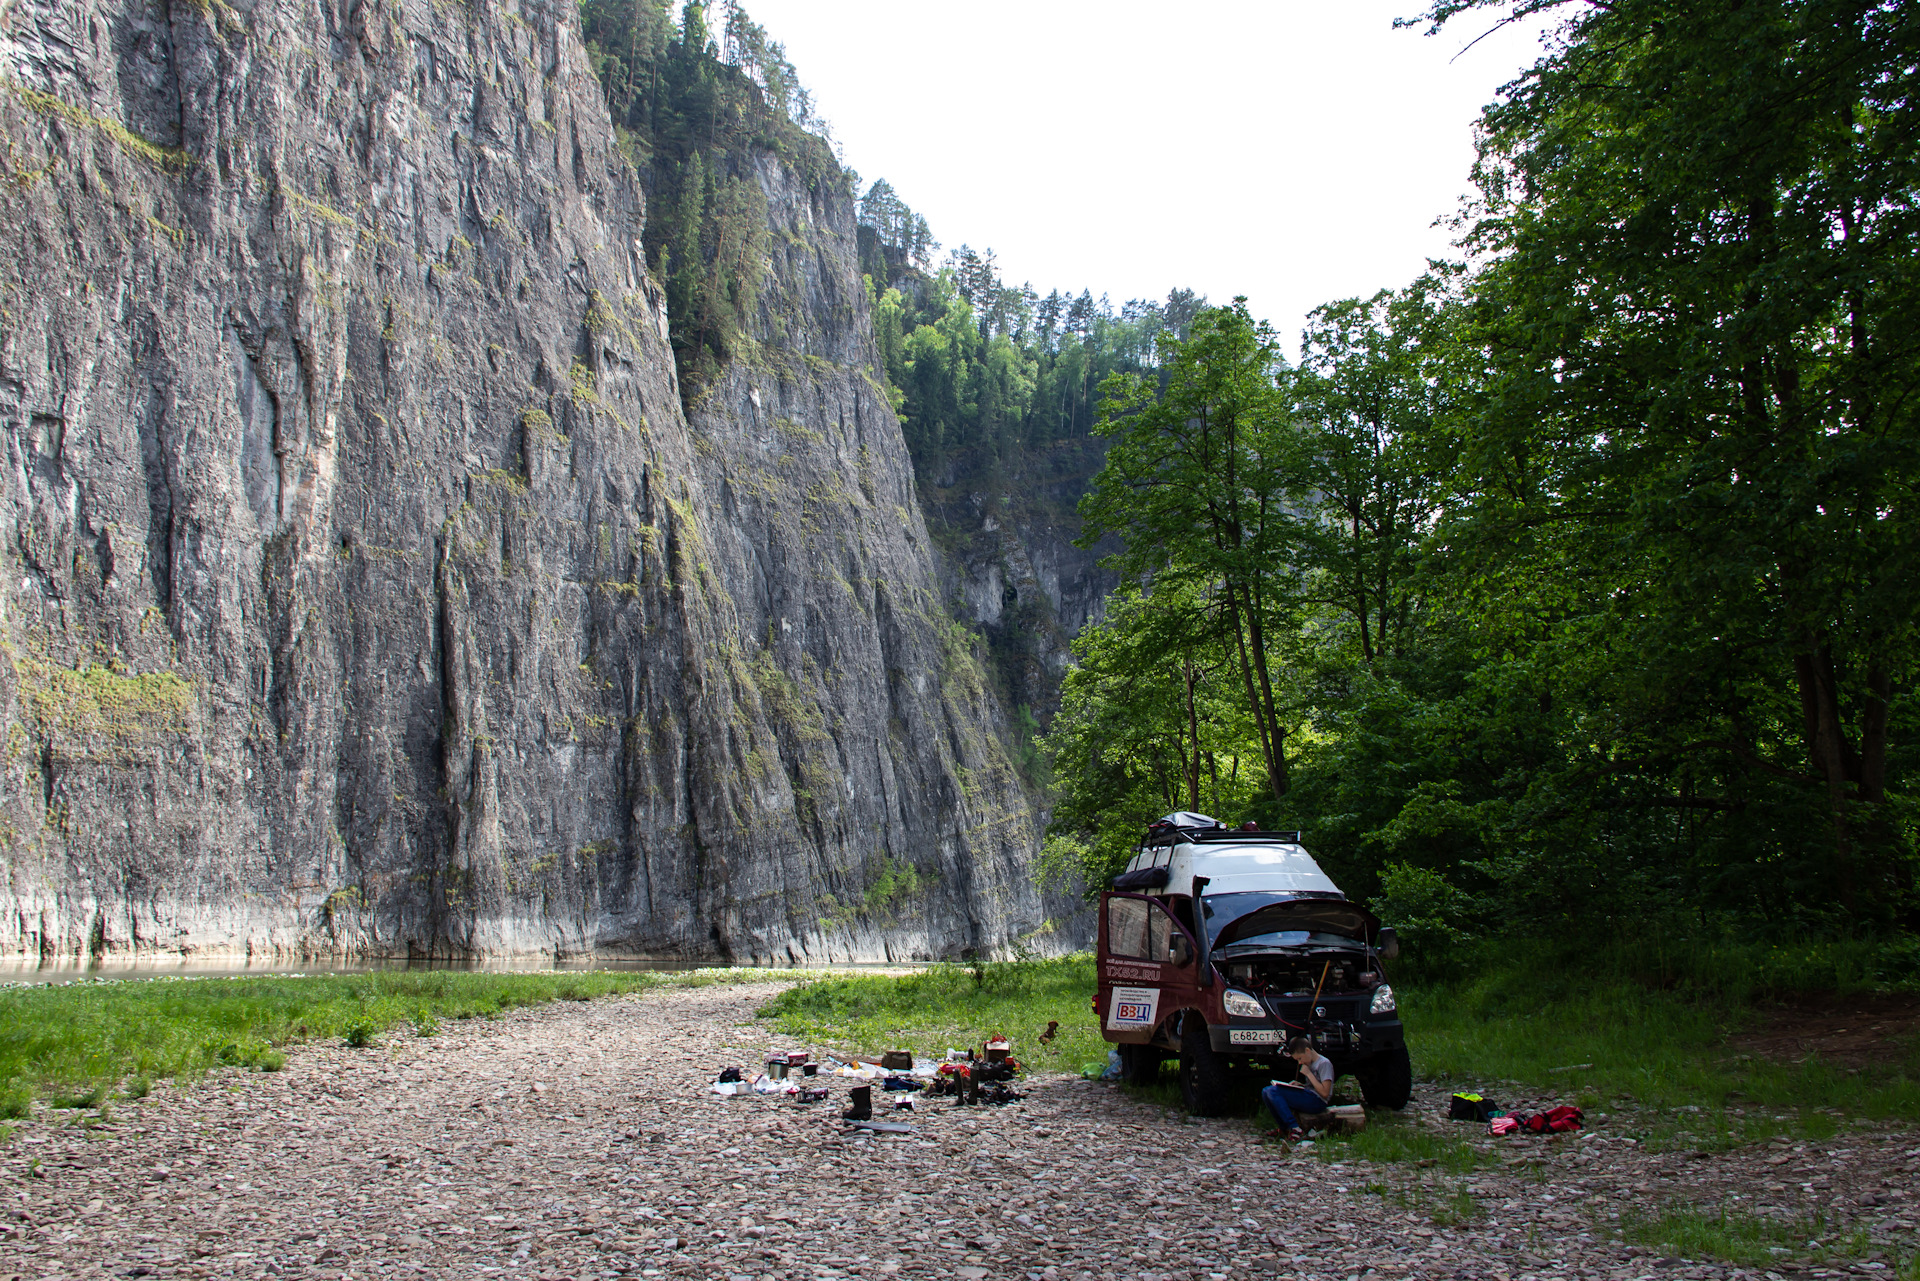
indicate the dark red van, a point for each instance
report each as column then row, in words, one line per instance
column 1218, row 946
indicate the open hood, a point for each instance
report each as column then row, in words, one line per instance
column 1268, row 916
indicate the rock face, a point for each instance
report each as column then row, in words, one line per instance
column 366, row 588
column 1013, row 569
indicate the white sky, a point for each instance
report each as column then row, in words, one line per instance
column 1295, row 151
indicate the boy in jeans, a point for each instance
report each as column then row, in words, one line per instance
column 1316, row 1084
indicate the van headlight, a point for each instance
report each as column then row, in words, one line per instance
column 1243, row 1005
column 1383, row 1000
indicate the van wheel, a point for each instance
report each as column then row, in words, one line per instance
column 1387, row 1082
column 1140, row 1064
column 1203, row 1073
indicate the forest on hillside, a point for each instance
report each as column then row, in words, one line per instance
column 1570, row 584
column 997, row 386
column 1574, row 582
column 980, row 370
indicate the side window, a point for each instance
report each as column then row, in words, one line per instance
column 1160, row 932
column 1127, row 927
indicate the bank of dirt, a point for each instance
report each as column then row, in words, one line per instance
column 1852, row 1031
column 579, row 1140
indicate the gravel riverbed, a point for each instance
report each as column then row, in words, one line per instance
column 579, row 1140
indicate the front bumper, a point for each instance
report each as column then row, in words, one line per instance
column 1340, row 1040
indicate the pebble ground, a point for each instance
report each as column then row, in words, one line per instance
column 580, row 1141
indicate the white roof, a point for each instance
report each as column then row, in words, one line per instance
column 1233, row 867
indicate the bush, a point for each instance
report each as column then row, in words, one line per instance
column 1435, row 920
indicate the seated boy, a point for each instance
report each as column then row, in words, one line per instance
column 1316, row 1084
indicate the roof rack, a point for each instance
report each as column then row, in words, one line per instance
column 1167, row 834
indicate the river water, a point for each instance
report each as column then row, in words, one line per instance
column 70, row 970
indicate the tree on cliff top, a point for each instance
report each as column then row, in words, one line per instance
column 691, row 111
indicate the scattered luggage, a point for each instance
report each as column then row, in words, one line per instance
column 1471, row 1107
column 1560, row 1120
column 1563, row 1119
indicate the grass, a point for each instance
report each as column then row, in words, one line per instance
column 1749, row 1240
column 1653, row 1027
column 1661, row 1052
column 71, row 1045
column 1394, row 1139
column 953, row 1006
column 1451, row 1206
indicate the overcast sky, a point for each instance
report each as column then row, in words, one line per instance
column 1295, row 151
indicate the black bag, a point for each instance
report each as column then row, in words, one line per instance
column 1471, row 1107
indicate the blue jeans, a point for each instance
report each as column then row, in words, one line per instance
column 1285, row 1100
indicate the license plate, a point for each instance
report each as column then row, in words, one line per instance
column 1253, row 1036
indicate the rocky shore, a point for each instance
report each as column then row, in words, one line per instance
column 580, row 1140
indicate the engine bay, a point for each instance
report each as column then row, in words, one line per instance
column 1300, row 974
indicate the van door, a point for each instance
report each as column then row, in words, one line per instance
column 1147, row 968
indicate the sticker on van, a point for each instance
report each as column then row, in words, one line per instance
column 1132, row 1008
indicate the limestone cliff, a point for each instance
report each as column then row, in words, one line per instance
column 1006, row 534
column 367, row 588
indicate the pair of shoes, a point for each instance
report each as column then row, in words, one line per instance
column 1274, row 1134
column 1296, row 1134
column 862, row 1100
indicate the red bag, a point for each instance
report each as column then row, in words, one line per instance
column 1554, row 1120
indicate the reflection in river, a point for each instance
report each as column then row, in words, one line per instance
column 67, row 970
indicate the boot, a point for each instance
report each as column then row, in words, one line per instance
column 862, row 1109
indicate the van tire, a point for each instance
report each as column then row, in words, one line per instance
column 1140, row 1064
column 1387, row 1082
column 1203, row 1073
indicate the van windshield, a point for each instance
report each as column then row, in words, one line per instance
column 1283, row 920
column 1285, row 938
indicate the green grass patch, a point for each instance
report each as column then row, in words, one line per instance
column 953, row 1006
column 79, row 1041
column 81, row 1099
column 1396, row 1138
column 71, row 1044
column 1749, row 1240
column 1663, row 1052
column 1653, row 1026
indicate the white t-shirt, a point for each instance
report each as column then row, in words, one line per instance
column 1322, row 1069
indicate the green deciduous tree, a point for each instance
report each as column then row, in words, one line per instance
column 1698, row 318
column 1151, row 720
column 1366, row 462
column 1197, row 485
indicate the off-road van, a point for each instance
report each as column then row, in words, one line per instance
column 1219, row 945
